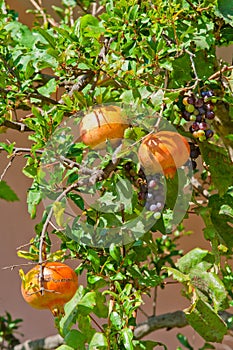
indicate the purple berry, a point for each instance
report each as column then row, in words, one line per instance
column 153, row 207
column 209, row 133
column 195, row 153
column 152, row 184
column 141, row 196
column 186, row 115
column 209, row 106
column 203, row 126
column 194, row 164
column 209, row 115
column 201, row 110
column 199, row 118
column 195, row 126
column 191, row 100
column 199, row 102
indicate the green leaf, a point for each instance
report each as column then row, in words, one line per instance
column 184, row 341
column 210, row 284
column 220, row 210
column 148, row 345
column 127, row 336
column 87, row 303
column 124, row 194
column 115, row 252
column 116, row 320
column 219, row 165
column 206, row 322
column 71, row 311
column 100, row 309
column 65, row 347
column 49, row 38
column 225, row 10
column 98, row 341
column 33, row 199
column 7, row 193
column 193, row 258
column 75, row 339
column 177, row 275
column 48, row 88
column 77, row 199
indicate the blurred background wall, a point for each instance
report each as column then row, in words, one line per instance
column 17, row 229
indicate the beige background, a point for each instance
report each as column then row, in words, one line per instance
column 17, row 228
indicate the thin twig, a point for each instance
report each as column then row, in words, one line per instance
column 46, row 18
column 224, row 69
column 7, row 167
column 43, row 234
column 11, row 267
column 197, row 185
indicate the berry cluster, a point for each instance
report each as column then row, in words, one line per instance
column 194, row 154
column 155, row 198
column 150, row 188
column 199, row 110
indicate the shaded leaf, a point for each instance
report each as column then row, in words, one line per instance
column 206, row 322
column 7, row 193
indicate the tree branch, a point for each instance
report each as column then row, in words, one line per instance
column 48, row 343
column 167, row 321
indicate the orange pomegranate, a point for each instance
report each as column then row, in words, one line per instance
column 163, row 152
column 59, row 284
column 101, row 124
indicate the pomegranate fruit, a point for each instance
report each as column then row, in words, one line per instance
column 163, row 152
column 59, row 284
column 101, row 124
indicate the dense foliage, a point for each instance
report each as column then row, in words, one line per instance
column 157, row 61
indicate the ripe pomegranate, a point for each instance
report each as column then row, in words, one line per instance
column 101, row 124
column 59, row 284
column 163, row 152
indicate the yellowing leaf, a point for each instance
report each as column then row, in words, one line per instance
column 58, row 210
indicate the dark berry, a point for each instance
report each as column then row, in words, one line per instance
column 203, row 126
column 141, row 196
column 199, row 118
column 186, row 115
column 128, row 166
column 209, row 106
column 209, row 115
column 208, row 93
column 191, row 100
column 195, row 126
column 195, row 153
column 209, row 133
column 194, row 164
column 199, row 102
column 204, row 93
column 201, row 110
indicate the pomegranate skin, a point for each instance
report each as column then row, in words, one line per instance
column 59, row 285
column 101, row 124
column 163, row 152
